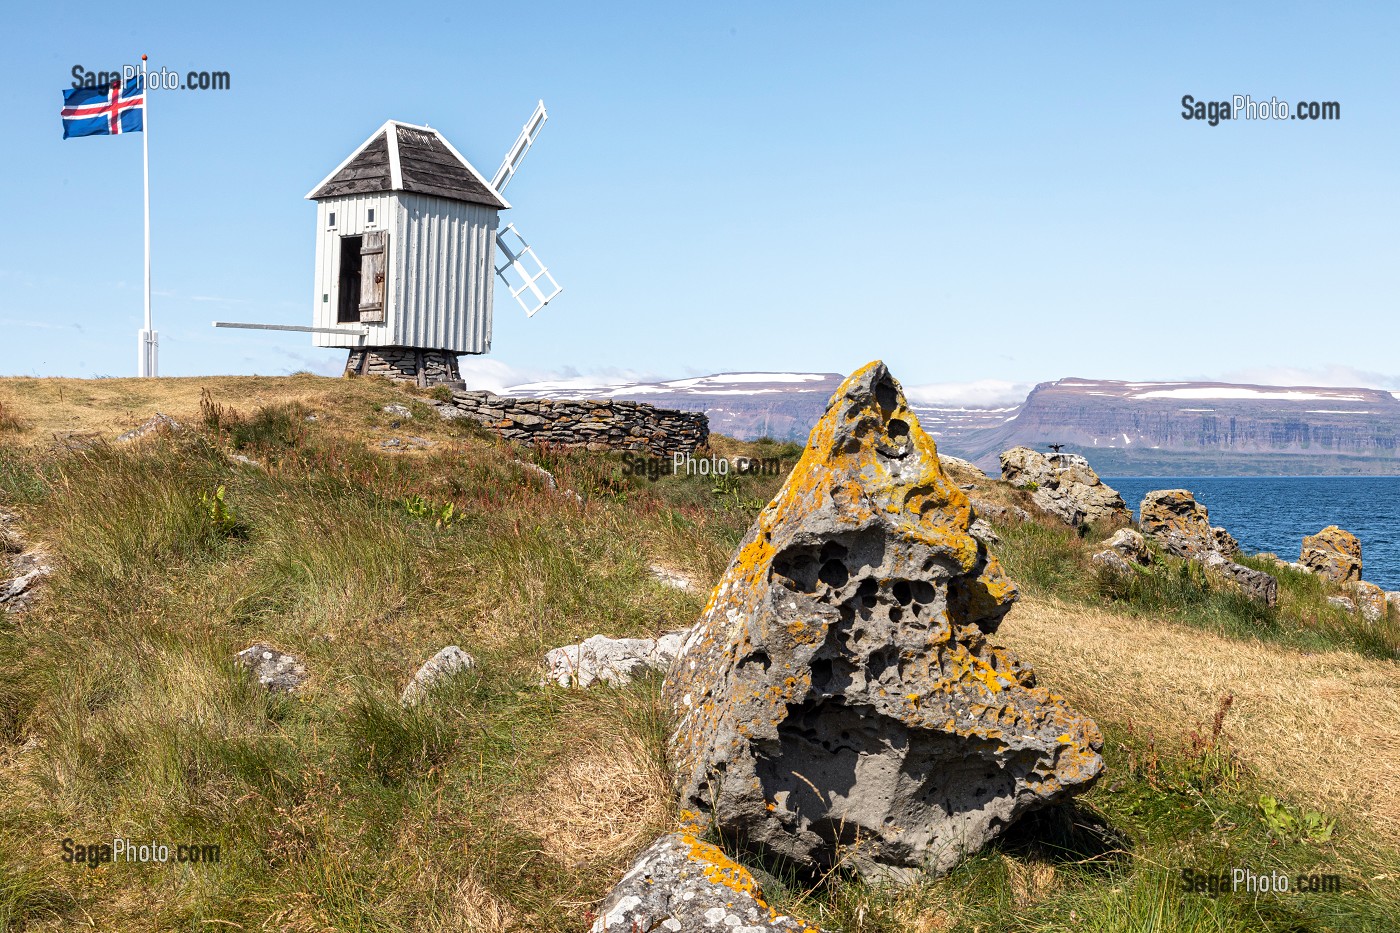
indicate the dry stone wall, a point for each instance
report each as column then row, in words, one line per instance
column 590, row 424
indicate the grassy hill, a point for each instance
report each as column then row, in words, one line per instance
column 501, row 805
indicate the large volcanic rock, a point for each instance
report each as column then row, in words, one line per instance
column 1178, row 522
column 1334, row 553
column 1064, row 485
column 839, row 699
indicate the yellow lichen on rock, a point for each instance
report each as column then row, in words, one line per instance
column 846, row 645
column 842, row 670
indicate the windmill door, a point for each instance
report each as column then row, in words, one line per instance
column 374, row 270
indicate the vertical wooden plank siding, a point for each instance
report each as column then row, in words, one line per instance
column 350, row 220
column 443, row 264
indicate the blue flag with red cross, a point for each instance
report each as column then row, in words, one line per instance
column 104, row 111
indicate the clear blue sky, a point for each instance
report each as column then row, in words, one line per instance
column 972, row 192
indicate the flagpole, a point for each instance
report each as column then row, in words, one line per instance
column 147, row 338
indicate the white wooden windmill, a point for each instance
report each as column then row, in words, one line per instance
column 407, row 234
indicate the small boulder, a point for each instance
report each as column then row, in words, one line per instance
column 959, row 465
column 682, row 885
column 1130, row 545
column 1179, row 523
column 1345, row 603
column 1333, row 553
column 983, row 532
column 275, row 671
column 1369, row 598
column 1256, row 584
column 25, row 571
column 156, row 423
column 1225, row 542
column 1063, row 485
column 1112, row 562
column 672, row 578
column 398, row 411
column 612, row 661
column 446, row 663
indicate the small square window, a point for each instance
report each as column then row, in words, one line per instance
column 330, row 219
column 369, row 216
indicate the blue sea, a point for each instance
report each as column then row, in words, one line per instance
column 1273, row 513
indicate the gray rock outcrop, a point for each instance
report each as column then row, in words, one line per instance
column 1130, row 545
column 1370, row 599
column 1256, row 584
column 1333, row 553
column 841, row 700
column 1176, row 521
column 447, row 663
column 681, row 885
column 1181, row 525
column 612, row 661
column 1063, row 485
column 157, row 423
column 958, row 464
column 1225, row 542
column 21, row 567
column 274, row 670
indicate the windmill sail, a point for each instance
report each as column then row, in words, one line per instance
column 525, row 275
column 522, row 145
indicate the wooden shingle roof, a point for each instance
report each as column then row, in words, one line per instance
column 406, row 157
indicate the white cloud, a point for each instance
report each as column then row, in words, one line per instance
column 981, row 393
column 1332, row 375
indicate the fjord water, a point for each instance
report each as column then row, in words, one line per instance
column 1273, row 513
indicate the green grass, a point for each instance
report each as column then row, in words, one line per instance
column 497, row 804
column 1114, row 859
column 1052, row 561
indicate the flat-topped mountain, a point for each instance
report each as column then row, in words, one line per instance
column 1144, row 428
column 1198, row 428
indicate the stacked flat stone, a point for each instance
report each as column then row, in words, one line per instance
column 404, row 364
column 588, row 424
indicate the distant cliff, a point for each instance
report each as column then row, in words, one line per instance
column 1124, row 428
column 1200, row 428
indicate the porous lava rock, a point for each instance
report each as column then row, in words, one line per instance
column 682, row 885
column 1063, row 485
column 1178, row 522
column 840, row 700
column 1333, row 553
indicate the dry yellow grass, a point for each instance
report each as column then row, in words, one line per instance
column 49, row 408
column 1321, row 727
column 603, row 798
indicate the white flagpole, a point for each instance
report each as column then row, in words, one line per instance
column 149, row 342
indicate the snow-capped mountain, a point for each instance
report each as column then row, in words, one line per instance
column 783, row 406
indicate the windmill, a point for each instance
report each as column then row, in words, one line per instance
column 409, row 244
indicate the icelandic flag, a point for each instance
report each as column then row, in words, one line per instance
column 104, row 111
